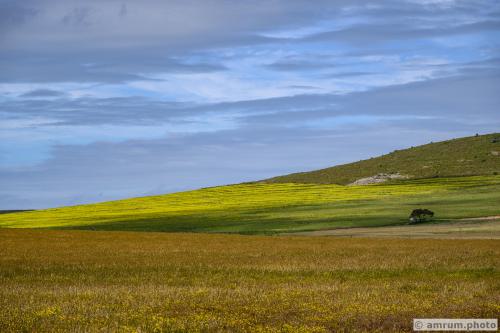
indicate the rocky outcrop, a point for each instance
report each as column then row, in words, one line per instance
column 378, row 178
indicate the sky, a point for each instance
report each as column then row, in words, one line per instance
column 103, row 100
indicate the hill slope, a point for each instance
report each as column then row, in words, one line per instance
column 477, row 155
column 275, row 208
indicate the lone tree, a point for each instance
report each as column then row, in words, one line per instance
column 420, row 215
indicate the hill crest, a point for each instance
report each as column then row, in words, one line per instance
column 467, row 156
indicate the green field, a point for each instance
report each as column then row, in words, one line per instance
column 439, row 179
column 274, row 208
column 84, row 281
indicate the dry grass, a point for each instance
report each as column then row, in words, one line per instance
column 475, row 228
column 147, row 282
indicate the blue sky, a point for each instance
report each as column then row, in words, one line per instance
column 103, row 100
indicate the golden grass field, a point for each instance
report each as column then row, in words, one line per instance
column 61, row 281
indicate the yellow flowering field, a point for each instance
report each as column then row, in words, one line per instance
column 59, row 281
column 274, row 208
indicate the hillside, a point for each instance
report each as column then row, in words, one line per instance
column 274, row 208
column 298, row 205
column 476, row 155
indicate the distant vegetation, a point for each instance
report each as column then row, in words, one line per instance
column 421, row 215
column 274, row 208
column 61, row 281
column 13, row 211
column 476, row 155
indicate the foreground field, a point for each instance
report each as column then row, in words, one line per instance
column 275, row 208
column 126, row 281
